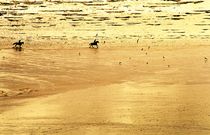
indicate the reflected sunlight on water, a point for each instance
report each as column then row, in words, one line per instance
column 153, row 21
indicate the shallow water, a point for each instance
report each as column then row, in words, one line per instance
column 154, row 21
column 52, row 69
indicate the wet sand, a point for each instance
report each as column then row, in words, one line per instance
column 92, row 93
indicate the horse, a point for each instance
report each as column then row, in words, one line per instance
column 94, row 43
column 18, row 44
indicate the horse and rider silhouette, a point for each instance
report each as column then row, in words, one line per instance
column 94, row 43
column 18, row 44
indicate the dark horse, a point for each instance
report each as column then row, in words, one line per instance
column 18, row 44
column 94, row 43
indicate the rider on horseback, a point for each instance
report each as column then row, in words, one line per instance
column 19, row 44
column 94, row 43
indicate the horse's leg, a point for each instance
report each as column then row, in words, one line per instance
column 20, row 48
column 90, row 45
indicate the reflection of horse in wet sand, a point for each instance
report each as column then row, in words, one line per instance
column 94, row 43
column 18, row 44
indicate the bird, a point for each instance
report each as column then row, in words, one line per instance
column 137, row 41
column 120, row 63
column 163, row 58
column 205, row 59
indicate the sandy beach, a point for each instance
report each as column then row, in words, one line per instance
column 149, row 76
column 62, row 92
